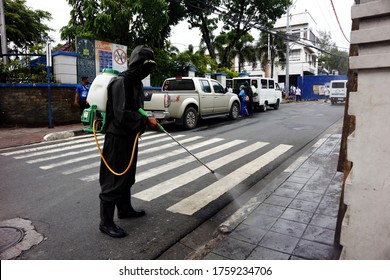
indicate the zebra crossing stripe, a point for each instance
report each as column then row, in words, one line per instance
column 155, row 141
column 76, row 147
column 62, row 155
column 166, row 146
column 178, row 151
column 167, row 155
column 48, row 147
column 195, row 202
column 175, row 164
column 82, row 168
column 78, row 159
column 70, row 161
column 178, row 181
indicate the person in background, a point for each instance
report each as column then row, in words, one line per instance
column 229, row 88
column 298, row 97
column 249, row 93
column 81, row 95
column 242, row 97
column 292, row 93
column 123, row 122
column 327, row 93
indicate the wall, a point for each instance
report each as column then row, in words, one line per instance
column 65, row 67
column 27, row 105
column 365, row 230
column 306, row 84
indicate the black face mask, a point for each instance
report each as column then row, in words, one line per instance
column 146, row 69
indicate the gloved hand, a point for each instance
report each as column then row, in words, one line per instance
column 153, row 124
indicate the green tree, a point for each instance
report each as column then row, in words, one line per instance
column 331, row 57
column 24, row 26
column 240, row 16
column 245, row 51
column 277, row 48
column 127, row 22
column 201, row 15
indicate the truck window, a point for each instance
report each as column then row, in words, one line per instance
column 254, row 83
column 338, row 85
column 179, row 84
column 237, row 83
column 205, row 85
column 217, row 87
column 271, row 84
column 263, row 83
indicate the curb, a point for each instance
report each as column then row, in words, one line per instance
column 62, row 135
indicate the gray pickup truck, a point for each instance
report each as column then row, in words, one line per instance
column 186, row 99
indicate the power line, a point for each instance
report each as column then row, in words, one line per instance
column 334, row 10
column 223, row 11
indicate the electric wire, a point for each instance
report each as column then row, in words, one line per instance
column 334, row 10
column 220, row 11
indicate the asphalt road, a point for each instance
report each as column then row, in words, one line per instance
column 55, row 185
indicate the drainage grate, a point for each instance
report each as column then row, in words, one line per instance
column 9, row 236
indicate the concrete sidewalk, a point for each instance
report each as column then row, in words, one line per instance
column 18, row 136
column 293, row 218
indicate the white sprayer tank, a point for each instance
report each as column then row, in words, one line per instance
column 97, row 94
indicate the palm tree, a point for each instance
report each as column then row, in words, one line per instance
column 277, row 49
column 245, row 51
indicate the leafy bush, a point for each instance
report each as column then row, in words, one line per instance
column 21, row 72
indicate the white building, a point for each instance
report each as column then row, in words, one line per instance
column 303, row 58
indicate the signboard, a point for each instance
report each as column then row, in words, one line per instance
column 94, row 56
column 319, row 89
column 109, row 55
column 85, row 48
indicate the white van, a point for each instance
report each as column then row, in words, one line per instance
column 338, row 91
column 266, row 92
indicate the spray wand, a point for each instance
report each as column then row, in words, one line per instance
column 143, row 113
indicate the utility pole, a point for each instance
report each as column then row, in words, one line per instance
column 269, row 56
column 3, row 32
column 288, row 32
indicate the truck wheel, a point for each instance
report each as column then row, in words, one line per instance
column 190, row 118
column 276, row 105
column 263, row 108
column 234, row 111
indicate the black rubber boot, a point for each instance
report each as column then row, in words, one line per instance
column 107, row 224
column 125, row 209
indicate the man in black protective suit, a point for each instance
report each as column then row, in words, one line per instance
column 249, row 93
column 123, row 122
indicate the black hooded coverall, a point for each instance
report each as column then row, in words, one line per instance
column 125, row 96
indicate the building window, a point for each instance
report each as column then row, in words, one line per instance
column 295, row 55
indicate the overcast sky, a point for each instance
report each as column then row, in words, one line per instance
column 321, row 11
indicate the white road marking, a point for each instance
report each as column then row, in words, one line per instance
column 178, row 181
column 197, row 201
column 167, row 155
column 178, row 163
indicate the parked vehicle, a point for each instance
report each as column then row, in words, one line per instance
column 338, row 91
column 266, row 92
column 157, row 104
column 186, row 99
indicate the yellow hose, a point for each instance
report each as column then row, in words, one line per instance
column 104, row 160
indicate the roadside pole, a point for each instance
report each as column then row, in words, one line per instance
column 48, row 66
column 287, row 82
